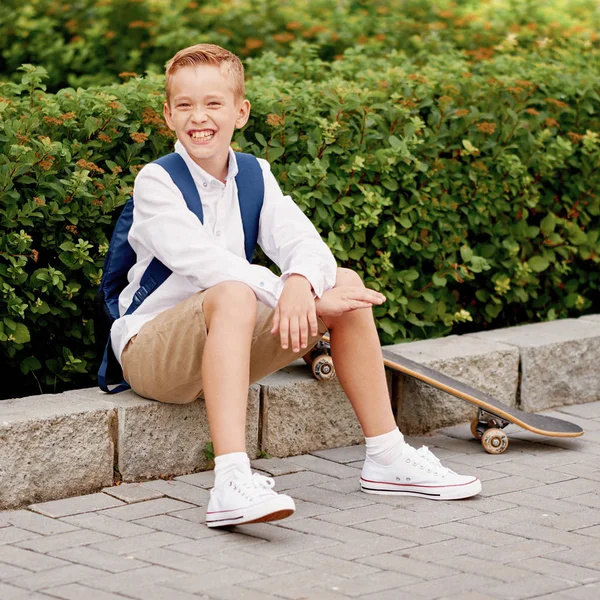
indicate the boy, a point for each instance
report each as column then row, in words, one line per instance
column 219, row 323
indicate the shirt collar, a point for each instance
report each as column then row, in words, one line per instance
column 198, row 173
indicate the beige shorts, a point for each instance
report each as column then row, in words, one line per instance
column 164, row 360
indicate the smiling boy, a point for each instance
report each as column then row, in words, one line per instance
column 219, row 322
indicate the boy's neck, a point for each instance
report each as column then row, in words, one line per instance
column 218, row 168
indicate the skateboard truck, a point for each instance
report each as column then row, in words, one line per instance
column 487, row 427
column 320, row 361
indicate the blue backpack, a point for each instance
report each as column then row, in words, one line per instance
column 121, row 257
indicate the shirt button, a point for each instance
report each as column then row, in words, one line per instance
column 218, row 233
column 262, row 284
column 205, row 184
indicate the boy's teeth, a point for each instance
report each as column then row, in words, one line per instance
column 201, row 135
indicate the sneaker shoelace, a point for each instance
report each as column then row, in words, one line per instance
column 425, row 453
column 253, row 487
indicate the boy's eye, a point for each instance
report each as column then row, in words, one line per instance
column 183, row 105
column 214, row 103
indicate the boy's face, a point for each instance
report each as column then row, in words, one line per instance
column 204, row 113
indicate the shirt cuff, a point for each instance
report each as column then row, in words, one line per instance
column 314, row 278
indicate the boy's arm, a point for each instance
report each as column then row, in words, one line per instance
column 166, row 227
column 291, row 241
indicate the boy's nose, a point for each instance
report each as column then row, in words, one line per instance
column 199, row 115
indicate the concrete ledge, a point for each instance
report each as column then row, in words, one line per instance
column 156, row 439
column 53, row 446
column 489, row 366
column 301, row 414
column 560, row 360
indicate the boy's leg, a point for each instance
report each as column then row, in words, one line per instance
column 391, row 465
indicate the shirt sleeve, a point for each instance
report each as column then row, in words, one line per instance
column 291, row 241
column 164, row 225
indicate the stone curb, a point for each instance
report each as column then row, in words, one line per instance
column 55, row 446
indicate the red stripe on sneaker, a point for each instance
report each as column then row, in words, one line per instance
column 417, row 484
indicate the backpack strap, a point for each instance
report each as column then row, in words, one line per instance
column 251, row 192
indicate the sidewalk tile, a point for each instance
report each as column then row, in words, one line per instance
column 205, row 479
column 258, row 564
column 534, row 586
column 26, row 559
column 204, row 582
column 52, row 543
column 93, row 557
column 180, row 490
column 55, row 577
column 13, row 535
column 344, row 455
column 76, row 591
column 401, row 564
column 545, row 566
column 165, row 557
column 329, row 564
column 148, row 508
column 455, row 584
column 171, row 524
column 103, row 524
column 276, row 466
column 316, row 464
column 77, row 505
column 121, row 583
column 26, row 519
column 132, row 492
column 128, row 545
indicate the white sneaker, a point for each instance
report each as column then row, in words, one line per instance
column 417, row 473
column 246, row 499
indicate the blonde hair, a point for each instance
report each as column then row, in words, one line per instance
column 208, row 54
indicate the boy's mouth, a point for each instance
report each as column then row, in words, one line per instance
column 202, row 135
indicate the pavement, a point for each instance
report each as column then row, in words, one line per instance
column 533, row 532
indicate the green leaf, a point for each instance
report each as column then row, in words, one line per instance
column 538, row 263
column 21, row 334
column 417, row 306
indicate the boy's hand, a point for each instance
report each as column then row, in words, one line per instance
column 339, row 300
column 295, row 313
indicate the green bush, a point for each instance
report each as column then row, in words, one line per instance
column 467, row 192
column 88, row 42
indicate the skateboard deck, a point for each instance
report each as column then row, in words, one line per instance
column 493, row 415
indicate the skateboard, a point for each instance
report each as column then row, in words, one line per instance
column 492, row 414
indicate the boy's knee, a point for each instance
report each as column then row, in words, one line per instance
column 348, row 277
column 233, row 299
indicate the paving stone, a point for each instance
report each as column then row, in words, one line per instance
column 326, row 467
column 545, row 566
column 26, row 559
column 311, row 509
column 75, row 506
column 329, row 530
column 12, row 535
column 588, row 411
column 330, row 564
column 534, row 586
column 276, row 466
column 132, row 492
column 380, row 545
column 25, row 519
column 447, row 586
column 239, row 593
column 207, row 546
column 10, row 571
column 401, row 564
column 362, row 514
column 586, row 592
column 582, row 556
column 179, row 490
column 566, row 489
column 486, row 365
column 205, row 480
column 591, row 531
column 297, row 480
column 329, row 498
column 259, row 564
column 525, row 470
column 160, row 592
column 160, row 506
column 76, row 591
column 72, row 539
column 131, row 580
column 538, row 502
column 204, row 582
column 548, row 534
column 108, row 525
column 445, row 549
column 10, row 592
column 477, row 534
column 375, row 584
column 417, row 535
column 517, row 552
column 172, row 524
column 492, row 569
column 300, row 414
column 93, row 557
column 558, row 361
column 55, row 577
column 54, row 445
column 510, row 484
column 590, row 499
column 435, row 513
column 165, row 557
column 139, row 542
column 344, row 455
column 289, row 584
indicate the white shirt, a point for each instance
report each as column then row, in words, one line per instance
column 203, row 255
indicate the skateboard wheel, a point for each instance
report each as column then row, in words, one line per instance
column 494, row 441
column 322, row 368
column 476, row 434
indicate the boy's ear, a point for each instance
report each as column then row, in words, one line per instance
column 243, row 113
column 168, row 116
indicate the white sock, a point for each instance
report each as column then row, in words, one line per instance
column 386, row 448
column 226, row 464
